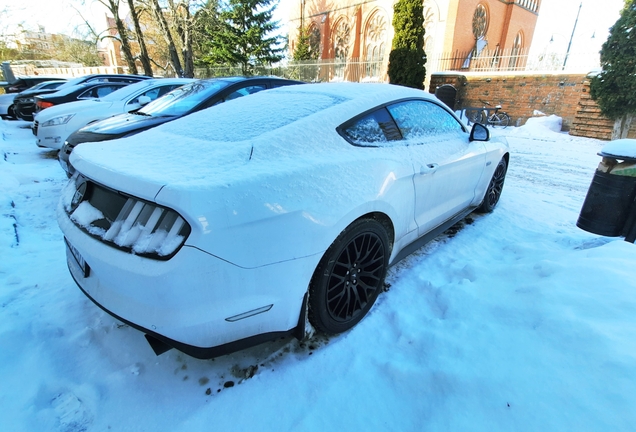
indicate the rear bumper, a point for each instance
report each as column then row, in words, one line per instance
column 195, row 302
column 192, row 350
column 25, row 111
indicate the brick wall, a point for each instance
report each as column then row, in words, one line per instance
column 589, row 122
column 519, row 94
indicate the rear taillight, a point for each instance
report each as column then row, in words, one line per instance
column 128, row 223
column 43, row 104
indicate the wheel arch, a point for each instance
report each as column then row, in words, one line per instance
column 305, row 320
column 385, row 221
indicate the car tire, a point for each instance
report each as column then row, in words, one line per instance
column 349, row 277
column 11, row 112
column 493, row 193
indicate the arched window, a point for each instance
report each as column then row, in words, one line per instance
column 340, row 39
column 480, row 22
column 517, row 47
column 429, row 10
column 314, row 41
column 375, row 43
column 480, row 28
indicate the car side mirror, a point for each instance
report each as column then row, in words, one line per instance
column 479, row 133
column 143, row 100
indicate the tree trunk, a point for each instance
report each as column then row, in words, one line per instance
column 143, row 52
column 123, row 37
column 172, row 49
column 183, row 25
column 622, row 126
column 186, row 51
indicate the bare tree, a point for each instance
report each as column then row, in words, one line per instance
column 113, row 7
column 76, row 50
column 165, row 29
column 143, row 52
column 183, row 20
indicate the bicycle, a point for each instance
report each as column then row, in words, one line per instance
column 484, row 116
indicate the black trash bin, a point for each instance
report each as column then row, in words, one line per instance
column 609, row 208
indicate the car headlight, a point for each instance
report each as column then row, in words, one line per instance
column 56, row 121
column 27, row 100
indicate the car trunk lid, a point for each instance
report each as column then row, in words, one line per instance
column 141, row 166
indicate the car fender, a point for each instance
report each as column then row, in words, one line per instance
column 255, row 223
column 496, row 148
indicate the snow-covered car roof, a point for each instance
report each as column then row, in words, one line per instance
column 285, row 123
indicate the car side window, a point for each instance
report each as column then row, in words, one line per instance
column 97, row 92
column 244, row 92
column 154, row 93
column 372, row 130
column 421, row 119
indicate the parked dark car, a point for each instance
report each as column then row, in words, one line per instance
column 7, row 106
column 178, row 103
column 75, row 93
column 26, row 99
column 26, row 113
column 22, row 83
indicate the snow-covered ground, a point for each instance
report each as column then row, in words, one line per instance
column 518, row 321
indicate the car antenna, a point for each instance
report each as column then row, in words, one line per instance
column 251, row 152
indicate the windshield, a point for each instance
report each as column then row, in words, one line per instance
column 182, row 100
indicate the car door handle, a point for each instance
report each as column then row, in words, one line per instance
column 427, row 169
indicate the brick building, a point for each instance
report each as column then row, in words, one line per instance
column 109, row 49
column 348, row 31
column 38, row 44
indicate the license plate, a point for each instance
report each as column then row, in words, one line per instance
column 86, row 270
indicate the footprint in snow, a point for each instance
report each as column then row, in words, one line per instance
column 72, row 414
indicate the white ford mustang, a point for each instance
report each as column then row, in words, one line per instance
column 267, row 215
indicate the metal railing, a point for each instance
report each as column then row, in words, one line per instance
column 357, row 70
column 511, row 60
column 531, row 5
column 330, row 70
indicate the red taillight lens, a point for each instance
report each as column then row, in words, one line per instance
column 43, row 104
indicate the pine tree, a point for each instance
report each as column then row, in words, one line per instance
column 407, row 57
column 304, row 50
column 207, row 25
column 243, row 36
column 615, row 86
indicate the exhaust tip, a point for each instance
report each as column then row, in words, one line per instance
column 157, row 346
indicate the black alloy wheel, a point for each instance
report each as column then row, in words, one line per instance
column 349, row 277
column 493, row 193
